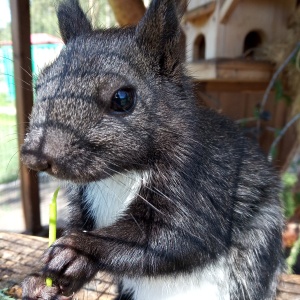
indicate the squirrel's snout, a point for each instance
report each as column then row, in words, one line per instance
column 48, row 149
column 34, row 159
column 42, row 150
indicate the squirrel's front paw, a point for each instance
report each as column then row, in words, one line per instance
column 69, row 263
column 34, row 287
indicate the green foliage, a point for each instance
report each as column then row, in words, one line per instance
column 3, row 296
column 256, row 113
column 291, row 201
column 9, row 159
column 44, row 20
column 5, row 100
column 280, row 95
column 43, row 15
column 5, row 33
column 292, row 259
column 288, row 180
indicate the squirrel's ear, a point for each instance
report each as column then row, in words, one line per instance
column 71, row 20
column 158, row 33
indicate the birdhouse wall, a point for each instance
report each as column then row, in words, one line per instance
column 206, row 29
column 225, row 37
column 194, row 4
column 268, row 18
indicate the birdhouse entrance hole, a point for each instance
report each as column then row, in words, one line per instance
column 199, row 48
column 252, row 40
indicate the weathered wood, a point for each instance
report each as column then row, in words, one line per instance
column 239, row 101
column 219, row 86
column 127, row 12
column 227, row 8
column 20, row 255
column 24, row 100
column 289, row 287
column 232, row 70
column 200, row 12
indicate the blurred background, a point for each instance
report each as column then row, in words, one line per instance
column 244, row 58
column 45, row 47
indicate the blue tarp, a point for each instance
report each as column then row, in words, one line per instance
column 40, row 56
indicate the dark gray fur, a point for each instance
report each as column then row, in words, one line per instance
column 210, row 193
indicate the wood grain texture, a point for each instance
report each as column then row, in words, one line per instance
column 231, row 70
column 239, row 100
column 24, row 101
column 20, row 255
column 226, row 9
column 200, row 12
column 127, row 12
column 289, row 287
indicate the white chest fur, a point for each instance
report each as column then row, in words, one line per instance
column 208, row 284
column 109, row 198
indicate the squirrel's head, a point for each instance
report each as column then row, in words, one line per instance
column 112, row 100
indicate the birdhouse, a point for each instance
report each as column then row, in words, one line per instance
column 221, row 37
column 233, row 28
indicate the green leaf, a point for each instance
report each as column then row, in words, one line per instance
column 289, row 179
column 3, row 296
column 278, row 90
column 256, row 113
column 287, row 99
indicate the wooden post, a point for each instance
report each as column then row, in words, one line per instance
column 127, row 12
column 24, row 100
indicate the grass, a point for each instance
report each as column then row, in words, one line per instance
column 9, row 158
column 5, row 101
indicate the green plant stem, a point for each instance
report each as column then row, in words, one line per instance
column 52, row 226
column 292, row 259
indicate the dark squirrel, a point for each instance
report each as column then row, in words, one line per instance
column 166, row 195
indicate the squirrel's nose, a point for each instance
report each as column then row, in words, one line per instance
column 34, row 160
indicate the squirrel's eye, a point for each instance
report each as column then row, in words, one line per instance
column 123, row 100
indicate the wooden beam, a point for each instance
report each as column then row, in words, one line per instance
column 289, row 287
column 227, row 8
column 24, row 100
column 233, row 87
column 200, row 12
column 127, row 12
column 231, row 70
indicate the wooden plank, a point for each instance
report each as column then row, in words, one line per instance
column 238, row 101
column 287, row 296
column 200, row 12
column 240, row 87
column 291, row 279
column 231, row 70
column 24, row 100
column 227, row 8
column 202, row 71
column 289, row 287
column 20, row 255
column 233, row 105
